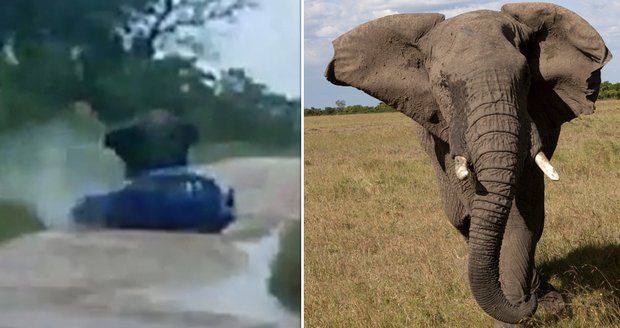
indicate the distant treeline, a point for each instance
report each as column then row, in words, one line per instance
column 355, row 109
column 608, row 91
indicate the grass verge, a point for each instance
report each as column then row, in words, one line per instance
column 285, row 280
column 17, row 219
column 379, row 251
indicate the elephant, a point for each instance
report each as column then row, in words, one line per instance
column 490, row 91
column 155, row 140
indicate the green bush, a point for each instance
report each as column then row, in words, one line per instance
column 355, row 109
column 116, row 73
column 609, row 91
column 285, row 280
column 17, row 219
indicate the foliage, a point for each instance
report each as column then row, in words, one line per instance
column 609, row 90
column 16, row 219
column 342, row 109
column 110, row 27
column 125, row 57
column 285, row 280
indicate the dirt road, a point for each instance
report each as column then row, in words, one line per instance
column 140, row 279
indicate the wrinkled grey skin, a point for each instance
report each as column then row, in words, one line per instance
column 494, row 87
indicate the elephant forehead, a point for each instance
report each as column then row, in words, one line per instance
column 476, row 35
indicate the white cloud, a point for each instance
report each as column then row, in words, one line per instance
column 327, row 19
column 313, row 8
column 327, row 31
column 317, row 51
column 495, row 5
column 330, row 18
column 383, row 12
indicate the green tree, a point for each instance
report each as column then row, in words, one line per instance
column 383, row 108
column 609, row 90
column 110, row 53
column 123, row 57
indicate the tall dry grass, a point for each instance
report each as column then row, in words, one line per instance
column 379, row 251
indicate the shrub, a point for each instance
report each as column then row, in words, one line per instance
column 17, row 219
column 285, row 280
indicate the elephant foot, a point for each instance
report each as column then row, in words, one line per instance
column 499, row 324
column 550, row 301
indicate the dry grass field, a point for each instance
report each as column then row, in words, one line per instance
column 379, row 251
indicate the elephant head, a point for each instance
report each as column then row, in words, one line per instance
column 156, row 140
column 493, row 85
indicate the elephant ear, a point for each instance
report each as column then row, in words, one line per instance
column 565, row 56
column 382, row 59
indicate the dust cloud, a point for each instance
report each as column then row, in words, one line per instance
column 50, row 166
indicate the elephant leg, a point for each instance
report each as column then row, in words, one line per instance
column 454, row 209
column 439, row 153
column 550, row 300
column 518, row 274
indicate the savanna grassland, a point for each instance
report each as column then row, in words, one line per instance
column 379, row 251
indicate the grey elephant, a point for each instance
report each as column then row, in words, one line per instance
column 491, row 90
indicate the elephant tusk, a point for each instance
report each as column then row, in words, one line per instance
column 460, row 167
column 542, row 162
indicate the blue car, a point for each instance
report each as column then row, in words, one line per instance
column 169, row 200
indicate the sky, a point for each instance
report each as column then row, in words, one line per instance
column 325, row 20
column 266, row 42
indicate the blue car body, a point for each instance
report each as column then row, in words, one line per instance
column 170, row 200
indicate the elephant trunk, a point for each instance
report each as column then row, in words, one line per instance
column 498, row 139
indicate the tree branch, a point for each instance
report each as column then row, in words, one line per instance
column 166, row 22
column 155, row 29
